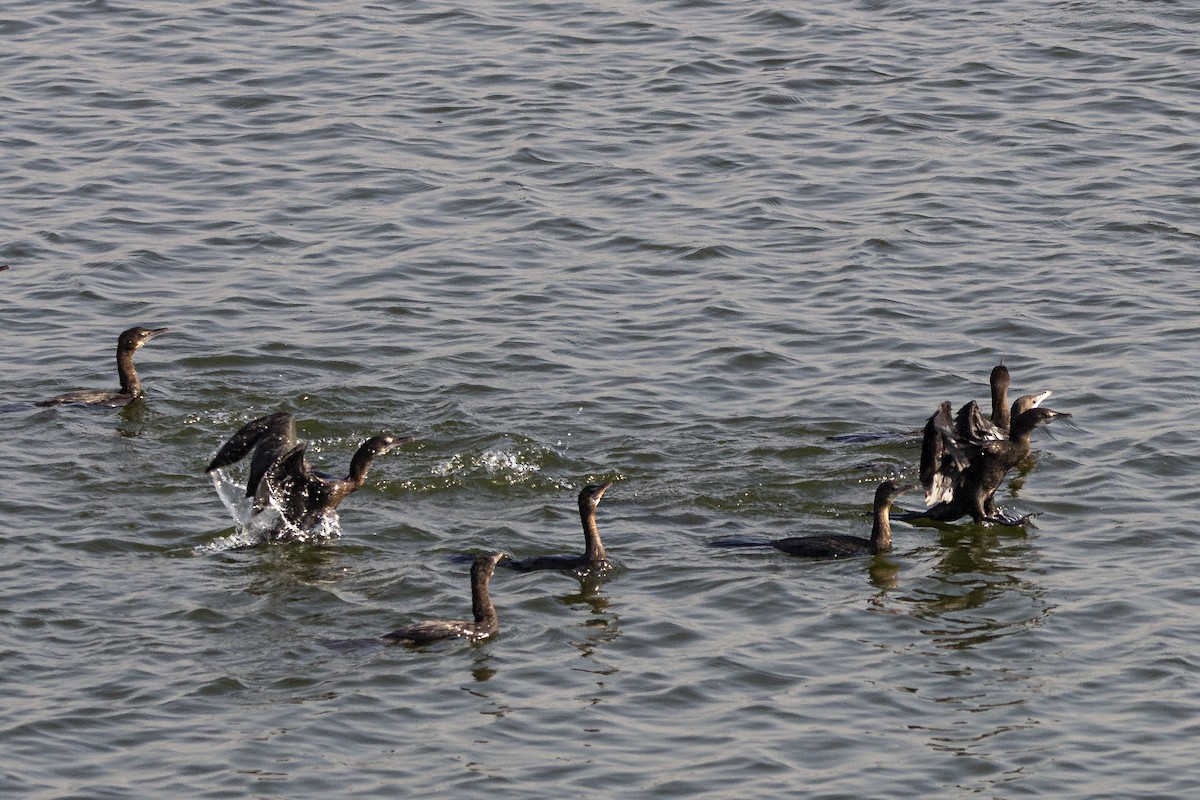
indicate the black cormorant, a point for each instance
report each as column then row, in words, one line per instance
column 841, row 545
column 484, row 626
column 131, row 388
column 281, row 476
column 593, row 559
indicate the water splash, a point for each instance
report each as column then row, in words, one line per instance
column 509, row 465
column 265, row 525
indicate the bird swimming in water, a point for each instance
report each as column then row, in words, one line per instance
column 841, row 545
column 963, row 464
column 128, row 343
column 485, row 625
column 593, row 559
column 282, row 477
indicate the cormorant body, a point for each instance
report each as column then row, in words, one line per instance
column 843, row 546
column 961, row 470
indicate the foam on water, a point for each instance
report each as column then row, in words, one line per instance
column 511, row 466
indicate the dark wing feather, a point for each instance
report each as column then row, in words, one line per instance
column 431, row 631
column 973, row 427
column 284, row 480
column 268, row 437
column 942, row 457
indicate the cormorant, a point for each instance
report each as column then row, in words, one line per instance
column 961, row 469
column 280, row 475
column 131, row 388
column 484, row 626
column 593, row 559
column 841, row 545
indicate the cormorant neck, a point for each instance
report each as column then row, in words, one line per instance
column 1001, row 416
column 130, row 384
column 360, row 464
column 1022, row 426
column 593, row 551
column 481, row 601
column 881, row 529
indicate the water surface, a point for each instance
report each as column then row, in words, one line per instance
column 730, row 256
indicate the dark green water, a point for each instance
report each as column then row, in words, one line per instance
column 697, row 248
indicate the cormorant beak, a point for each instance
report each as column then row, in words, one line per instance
column 155, row 332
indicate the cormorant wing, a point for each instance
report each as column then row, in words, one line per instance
column 283, row 480
column 973, row 427
column 942, row 459
column 276, row 442
column 268, row 437
column 279, row 426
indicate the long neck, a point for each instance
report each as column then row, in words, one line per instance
column 881, row 529
column 1000, row 414
column 1022, row 427
column 593, row 550
column 129, row 377
column 481, row 601
column 359, row 465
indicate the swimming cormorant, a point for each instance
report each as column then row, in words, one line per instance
column 841, row 545
column 131, row 388
column 280, row 475
column 593, row 559
column 484, row 626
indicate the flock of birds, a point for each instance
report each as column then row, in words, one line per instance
column 964, row 459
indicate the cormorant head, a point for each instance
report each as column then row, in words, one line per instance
column 1045, row 415
column 1028, row 401
column 589, row 496
column 888, row 491
column 381, row 444
column 1027, row 421
column 134, row 338
column 1000, row 377
column 486, row 563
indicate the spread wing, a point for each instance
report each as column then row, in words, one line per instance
column 269, row 438
column 942, row 457
column 973, row 427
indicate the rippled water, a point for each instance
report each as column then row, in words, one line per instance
column 730, row 255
